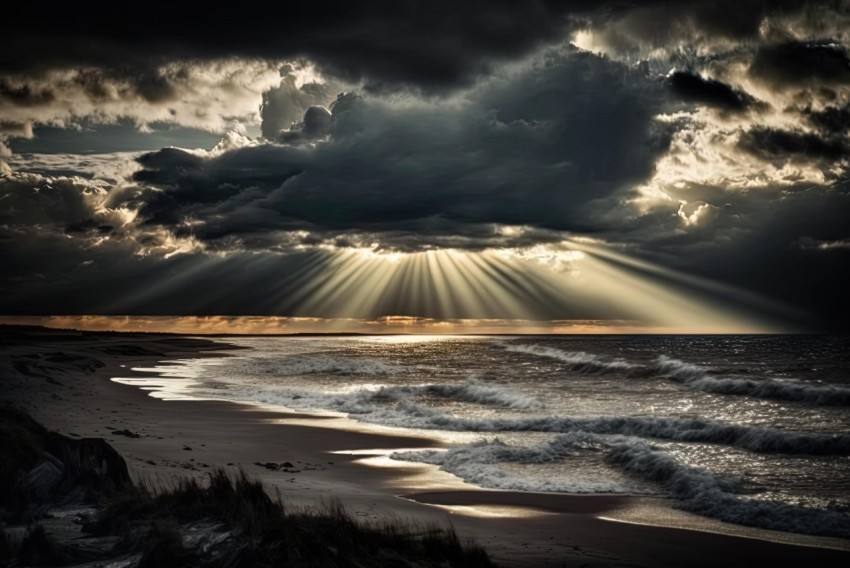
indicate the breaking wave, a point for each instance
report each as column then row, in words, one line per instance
column 695, row 377
column 694, row 489
column 754, row 439
column 482, row 463
column 301, row 365
column 377, row 404
column 471, row 390
column 698, row 378
column 390, row 406
column 578, row 361
column 700, row 492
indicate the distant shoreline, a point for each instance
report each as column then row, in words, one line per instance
column 48, row 329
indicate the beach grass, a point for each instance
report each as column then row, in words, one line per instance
column 253, row 529
column 223, row 520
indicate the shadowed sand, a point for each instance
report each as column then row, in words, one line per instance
column 63, row 380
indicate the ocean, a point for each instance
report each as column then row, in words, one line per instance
column 752, row 430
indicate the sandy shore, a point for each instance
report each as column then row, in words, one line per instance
column 64, row 381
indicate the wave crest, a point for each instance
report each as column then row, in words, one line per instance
column 694, row 377
column 698, row 378
column 577, row 361
column 392, row 406
column 307, row 365
column 694, row 489
column 471, row 390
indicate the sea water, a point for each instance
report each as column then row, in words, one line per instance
column 753, row 430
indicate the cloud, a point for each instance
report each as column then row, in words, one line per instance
column 771, row 143
column 537, row 147
column 207, row 95
column 109, row 169
column 476, row 128
column 5, row 153
column 807, row 63
column 316, row 124
column 384, row 43
column 699, row 214
column 832, row 119
column 693, row 32
column 695, row 88
column 286, row 104
column 808, row 243
column 30, row 199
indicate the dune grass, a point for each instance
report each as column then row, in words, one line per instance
column 256, row 530
column 225, row 521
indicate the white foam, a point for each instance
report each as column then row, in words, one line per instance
column 483, row 464
column 696, row 490
column 700, row 492
column 472, row 390
column 698, row 378
column 694, row 377
column 312, row 364
column 578, row 361
column 398, row 410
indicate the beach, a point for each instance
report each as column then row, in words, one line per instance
column 63, row 379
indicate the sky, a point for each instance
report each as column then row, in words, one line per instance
column 428, row 166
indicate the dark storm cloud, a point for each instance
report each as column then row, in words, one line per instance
column 692, row 87
column 316, row 124
column 693, row 31
column 194, row 179
column 387, row 43
column 771, row 143
column 795, row 64
column 832, row 119
column 537, row 149
column 150, row 85
column 24, row 95
column 427, row 43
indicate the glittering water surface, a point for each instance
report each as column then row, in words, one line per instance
column 753, row 430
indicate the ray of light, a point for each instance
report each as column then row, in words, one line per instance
column 570, row 281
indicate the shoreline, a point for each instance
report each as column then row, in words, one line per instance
column 333, row 457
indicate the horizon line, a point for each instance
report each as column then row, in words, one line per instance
column 300, row 326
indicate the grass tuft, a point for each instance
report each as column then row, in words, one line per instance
column 264, row 534
column 227, row 521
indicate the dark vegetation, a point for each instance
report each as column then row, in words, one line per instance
column 227, row 521
column 239, row 524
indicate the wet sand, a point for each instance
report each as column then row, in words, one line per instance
column 309, row 458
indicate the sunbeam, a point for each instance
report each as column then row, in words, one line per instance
column 573, row 280
column 592, row 284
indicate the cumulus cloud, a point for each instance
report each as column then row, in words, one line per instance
column 299, row 89
column 538, row 147
column 208, row 95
